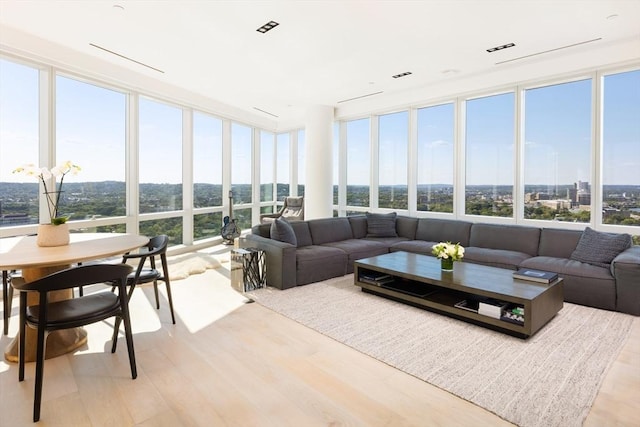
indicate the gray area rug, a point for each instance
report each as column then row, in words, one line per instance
column 551, row 379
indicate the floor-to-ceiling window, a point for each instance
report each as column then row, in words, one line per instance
column 267, row 172
column 207, row 174
column 435, row 175
column 557, row 152
column 91, row 133
column 393, row 143
column 358, row 163
column 302, row 154
column 19, row 142
column 489, row 159
column 621, row 149
column 282, row 166
column 241, row 173
column 160, row 167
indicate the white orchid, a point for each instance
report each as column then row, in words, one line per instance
column 43, row 175
column 446, row 250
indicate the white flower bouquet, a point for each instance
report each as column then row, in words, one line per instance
column 448, row 250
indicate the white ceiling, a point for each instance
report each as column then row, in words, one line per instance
column 323, row 52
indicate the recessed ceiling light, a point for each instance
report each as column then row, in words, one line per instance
column 267, row 27
column 504, row 46
column 118, row 7
column 450, row 71
column 406, row 73
column 612, row 17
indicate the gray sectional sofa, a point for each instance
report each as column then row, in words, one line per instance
column 319, row 249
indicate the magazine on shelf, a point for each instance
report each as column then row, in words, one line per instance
column 535, row 275
column 469, row 305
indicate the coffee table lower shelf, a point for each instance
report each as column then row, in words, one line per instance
column 442, row 294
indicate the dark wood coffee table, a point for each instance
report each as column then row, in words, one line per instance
column 418, row 280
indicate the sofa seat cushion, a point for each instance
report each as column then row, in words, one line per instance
column 387, row 241
column 495, row 257
column 414, row 246
column 315, row 263
column 359, row 248
column 584, row 283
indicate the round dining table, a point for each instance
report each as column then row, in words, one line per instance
column 23, row 253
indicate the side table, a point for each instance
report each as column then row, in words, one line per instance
column 248, row 269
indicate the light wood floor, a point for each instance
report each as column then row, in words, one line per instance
column 230, row 363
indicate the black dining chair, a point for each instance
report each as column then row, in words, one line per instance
column 71, row 313
column 157, row 247
column 7, row 296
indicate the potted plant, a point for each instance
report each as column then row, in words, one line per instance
column 56, row 232
column 448, row 253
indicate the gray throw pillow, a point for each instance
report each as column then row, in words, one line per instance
column 381, row 225
column 282, row 231
column 600, row 248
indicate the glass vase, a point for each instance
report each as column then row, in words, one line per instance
column 446, row 264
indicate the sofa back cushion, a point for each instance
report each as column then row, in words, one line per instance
column 406, row 227
column 507, row 237
column 381, row 225
column 330, row 230
column 599, row 248
column 303, row 235
column 358, row 226
column 282, row 231
column 558, row 243
column 262, row 230
column 443, row 230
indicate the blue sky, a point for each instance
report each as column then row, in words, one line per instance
column 557, row 133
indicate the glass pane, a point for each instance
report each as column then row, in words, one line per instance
column 267, row 175
column 91, row 133
column 489, row 156
column 172, row 227
column 18, row 143
column 243, row 218
column 393, row 144
column 207, row 225
column 241, row 163
column 301, row 162
column 207, row 161
column 557, row 152
column 160, row 158
column 435, row 158
column 282, row 168
column 621, row 149
column 336, row 161
column 358, row 158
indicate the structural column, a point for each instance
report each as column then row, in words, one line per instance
column 318, row 193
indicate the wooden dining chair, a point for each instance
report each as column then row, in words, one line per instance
column 71, row 313
column 156, row 248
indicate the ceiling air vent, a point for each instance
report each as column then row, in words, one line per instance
column 504, row 46
column 267, row 27
column 359, row 97
column 264, row 111
column 406, row 73
column 125, row 57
